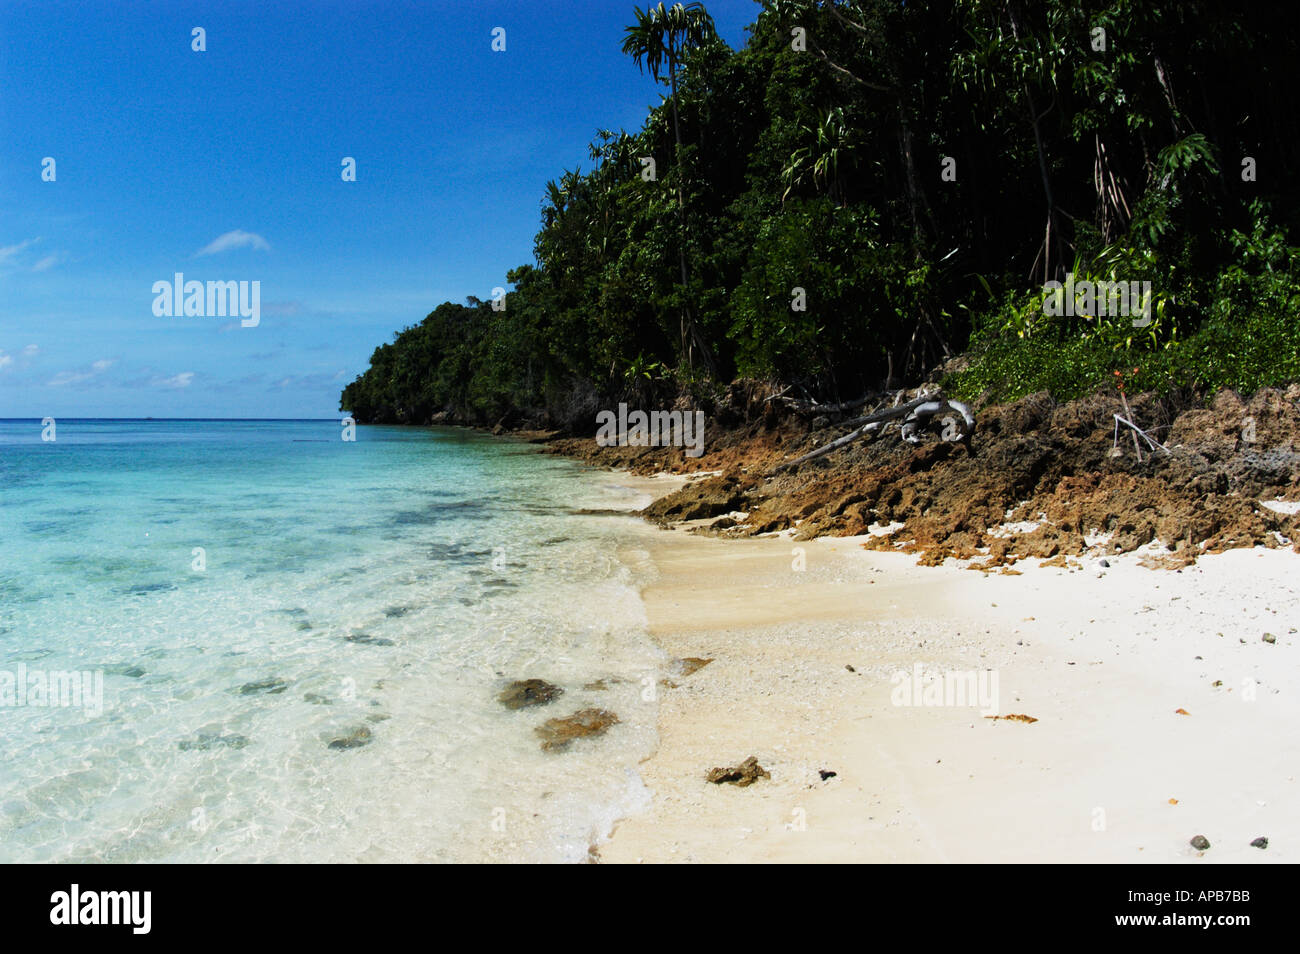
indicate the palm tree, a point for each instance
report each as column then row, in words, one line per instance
column 665, row 34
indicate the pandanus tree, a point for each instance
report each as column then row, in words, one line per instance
column 827, row 146
column 657, row 43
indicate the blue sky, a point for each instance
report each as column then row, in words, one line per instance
column 225, row 165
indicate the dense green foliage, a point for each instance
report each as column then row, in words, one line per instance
column 817, row 175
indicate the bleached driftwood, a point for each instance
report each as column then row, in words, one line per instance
column 1152, row 443
column 812, row 407
column 915, row 415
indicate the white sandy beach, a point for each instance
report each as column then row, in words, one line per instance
column 1103, row 658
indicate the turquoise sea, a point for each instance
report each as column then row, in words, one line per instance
column 251, row 591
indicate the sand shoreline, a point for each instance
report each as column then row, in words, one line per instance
column 1102, row 657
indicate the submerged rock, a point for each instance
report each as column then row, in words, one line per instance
column 1200, row 843
column 367, row 640
column 1260, row 842
column 317, row 699
column 268, row 686
column 746, row 773
column 124, row 669
column 355, row 739
column 528, row 692
column 206, row 741
column 556, row 734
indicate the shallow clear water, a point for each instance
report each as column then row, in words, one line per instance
column 455, row 562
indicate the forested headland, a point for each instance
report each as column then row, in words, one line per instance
column 873, row 194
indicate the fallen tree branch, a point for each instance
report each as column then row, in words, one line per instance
column 915, row 415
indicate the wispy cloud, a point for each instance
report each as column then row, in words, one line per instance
column 233, row 240
column 181, row 380
column 83, row 375
column 9, row 251
column 25, row 357
column 49, row 261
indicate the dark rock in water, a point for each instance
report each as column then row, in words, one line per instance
column 1260, row 842
column 395, row 612
column 207, row 741
column 34, row 655
column 825, row 774
column 558, row 733
column 684, row 667
column 268, row 686
column 141, row 589
column 302, row 626
column 367, row 640
column 318, row 700
column 376, row 717
column 746, row 773
column 353, row 740
column 1200, row 843
column 528, row 692
column 124, row 669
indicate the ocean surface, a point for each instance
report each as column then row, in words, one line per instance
column 250, row 592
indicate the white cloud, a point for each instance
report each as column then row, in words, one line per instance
column 9, row 251
column 181, row 380
column 5, row 360
column 64, row 378
column 49, row 261
column 236, row 239
column 30, row 350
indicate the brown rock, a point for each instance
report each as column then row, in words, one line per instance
column 353, row 740
column 690, row 664
column 528, row 692
column 746, row 773
column 557, row 734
